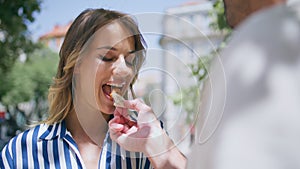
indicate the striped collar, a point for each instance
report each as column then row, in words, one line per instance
column 49, row 132
column 57, row 130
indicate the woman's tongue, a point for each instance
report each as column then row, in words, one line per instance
column 106, row 90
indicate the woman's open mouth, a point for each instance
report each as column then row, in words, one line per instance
column 109, row 88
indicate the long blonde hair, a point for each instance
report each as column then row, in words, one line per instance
column 83, row 27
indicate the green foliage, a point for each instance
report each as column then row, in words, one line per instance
column 14, row 41
column 44, row 65
column 189, row 98
column 218, row 18
column 27, row 81
column 15, row 15
column 199, row 69
column 30, row 80
column 20, row 85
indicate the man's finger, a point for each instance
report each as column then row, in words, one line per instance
column 137, row 105
column 115, row 127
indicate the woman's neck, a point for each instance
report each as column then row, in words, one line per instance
column 89, row 146
column 86, row 128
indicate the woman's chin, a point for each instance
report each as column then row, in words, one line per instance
column 108, row 110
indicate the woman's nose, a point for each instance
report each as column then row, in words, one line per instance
column 121, row 70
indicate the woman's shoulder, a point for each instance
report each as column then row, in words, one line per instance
column 24, row 148
column 33, row 135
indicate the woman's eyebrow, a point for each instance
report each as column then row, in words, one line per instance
column 115, row 49
column 108, row 47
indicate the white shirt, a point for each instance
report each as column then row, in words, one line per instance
column 250, row 113
column 52, row 146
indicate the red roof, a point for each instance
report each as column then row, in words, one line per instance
column 190, row 3
column 58, row 31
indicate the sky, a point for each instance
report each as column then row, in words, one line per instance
column 63, row 11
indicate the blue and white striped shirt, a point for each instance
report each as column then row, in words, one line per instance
column 52, row 146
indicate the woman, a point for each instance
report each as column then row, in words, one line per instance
column 102, row 51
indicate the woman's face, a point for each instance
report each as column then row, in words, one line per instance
column 107, row 61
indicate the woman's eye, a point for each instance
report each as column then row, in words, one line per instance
column 105, row 59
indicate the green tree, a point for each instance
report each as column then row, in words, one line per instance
column 30, row 81
column 15, row 40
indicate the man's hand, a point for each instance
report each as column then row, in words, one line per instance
column 134, row 135
column 145, row 135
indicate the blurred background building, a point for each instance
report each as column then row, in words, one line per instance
column 54, row 38
column 187, row 36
